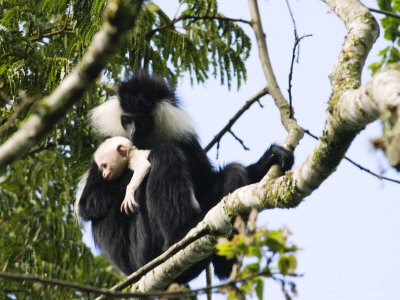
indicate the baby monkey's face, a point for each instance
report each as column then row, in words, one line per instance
column 111, row 164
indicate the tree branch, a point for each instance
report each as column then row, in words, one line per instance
column 295, row 133
column 339, row 130
column 385, row 12
column 296, row 43
column 121, row 16
column 50, row 34
column 194, row 18
column 232, row 121
column 357, row 164
column 26, row 102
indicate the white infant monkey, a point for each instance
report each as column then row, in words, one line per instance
column 113, row 156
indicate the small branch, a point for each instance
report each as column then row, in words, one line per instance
column 295, row 132
column 66, row 284
column 239, row 140
column 385, row 12
column 232, row 121
column 370, row 172
column 293, row 20
column 296, row 43
column 218, row 145
column 50, row 34
column 26, row 101
column 121, row 16
column 209, row 281
column 193, row 18
column 357, row 164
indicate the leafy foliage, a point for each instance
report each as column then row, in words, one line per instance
column 260, row 253
column 391, row 53
column 40, row 42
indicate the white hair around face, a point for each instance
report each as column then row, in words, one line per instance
column 171, row 121
column 106, row 118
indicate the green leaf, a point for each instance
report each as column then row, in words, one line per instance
column 275, row 241
column 260, row 289
column 287, row 264
column 283, row 265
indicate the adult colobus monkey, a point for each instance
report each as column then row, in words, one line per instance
column 146, row 111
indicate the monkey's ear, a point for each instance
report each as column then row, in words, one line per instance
column 123, row 151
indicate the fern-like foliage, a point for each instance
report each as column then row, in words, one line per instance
column 40, row 43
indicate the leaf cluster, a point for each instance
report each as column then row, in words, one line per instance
column 391, row 53
column 260, row 254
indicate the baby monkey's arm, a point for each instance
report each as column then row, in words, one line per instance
column 140, row 166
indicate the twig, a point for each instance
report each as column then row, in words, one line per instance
column 218, row 145
column 295, row 132
column 64, row 30
column 296, row 37
column 239, row 140
column 357, row 164
column 232, row 121
column 26, row 101
column 194, row 18
column 292, row 17
column 385, row 12
column 296, row 43
column 209, row 281
column 64, row 283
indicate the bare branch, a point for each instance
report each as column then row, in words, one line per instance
column 296, row 43
column 67, row 284
column 232, row 121
column 193, row 18
column 385, row 12
column 239, row 140
column 345, row 77
column 295, row 133
column 50, row 34
column 357, row 164
column 121, row 16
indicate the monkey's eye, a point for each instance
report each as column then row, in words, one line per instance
column 125, row 120
column 103, row 166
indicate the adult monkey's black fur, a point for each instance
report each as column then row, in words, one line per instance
column 147, row 108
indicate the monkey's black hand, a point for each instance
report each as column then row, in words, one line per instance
column 275, row 155
column 282, row 157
